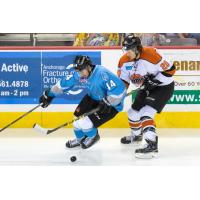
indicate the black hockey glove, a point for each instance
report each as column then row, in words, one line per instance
column 150, row 83
column 45, row 99
column 104, row 106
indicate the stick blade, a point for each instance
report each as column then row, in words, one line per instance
column 39, row 129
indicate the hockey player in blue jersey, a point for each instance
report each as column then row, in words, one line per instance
column 105, row 90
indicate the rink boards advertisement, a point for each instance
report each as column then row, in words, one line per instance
column 25, row 74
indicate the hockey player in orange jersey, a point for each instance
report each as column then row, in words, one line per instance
column 153, row 74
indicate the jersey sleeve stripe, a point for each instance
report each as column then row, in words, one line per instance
column 170, row 72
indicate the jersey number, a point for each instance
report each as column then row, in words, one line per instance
column 110, row 84
column 164, row 65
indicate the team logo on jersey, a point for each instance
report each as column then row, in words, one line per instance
column 69, row 67
column 137, row 79
column 77, row 89
column 71, row 92
column 129, row 67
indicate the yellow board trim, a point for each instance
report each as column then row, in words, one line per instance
column 53, row 119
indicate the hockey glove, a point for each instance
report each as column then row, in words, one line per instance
column 45, row 99
column 150, row 83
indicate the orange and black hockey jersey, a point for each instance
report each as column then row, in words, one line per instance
column 150, row 62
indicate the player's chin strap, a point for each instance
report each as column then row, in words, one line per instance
column 92, row 69
column 137, row 55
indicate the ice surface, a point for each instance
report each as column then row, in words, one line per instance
column 27, row 147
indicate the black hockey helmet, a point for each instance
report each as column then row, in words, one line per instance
column 132, row 43
column 81, row 62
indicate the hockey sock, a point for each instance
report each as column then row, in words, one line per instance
column 148, row 128
column 135, row 127
column 78, row 133
column 90, row 132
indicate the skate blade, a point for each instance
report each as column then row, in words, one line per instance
column 146, row 155
column 91, row 147
column 73, row 148
column 135, row 144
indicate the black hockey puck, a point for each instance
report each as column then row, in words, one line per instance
column 73, row 158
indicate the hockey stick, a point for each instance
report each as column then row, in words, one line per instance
column 20, row 117
column 39, row 129
column 46, row 132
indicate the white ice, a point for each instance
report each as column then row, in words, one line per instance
column 27, row 147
